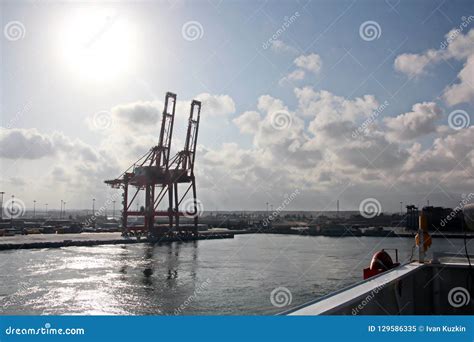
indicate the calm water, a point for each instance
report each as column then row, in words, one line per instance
column 232, row 276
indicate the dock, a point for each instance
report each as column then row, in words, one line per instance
column 93, row 239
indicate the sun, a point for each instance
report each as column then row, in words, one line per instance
column 97, row 44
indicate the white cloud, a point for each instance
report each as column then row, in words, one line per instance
column 327, row 107
column 319, row 156
column 31, row 144
column 333, row 120
column 372, row 153
column 248, row 122
column 267, row 134
column 462, row 92
column 452, row 153
column 296, row 75
column 306, row 63
column 267, row 103
column 129, row 130
column 25, row 143
column 460, row 45
column 314, row 152
column 311, row 62
column 138, row 114
column 216, row 105
column 282, row 47
column 145, row 116
column 231, row 156
column 325, row 143
column 293, row 76
column 414, row 65
column 71, row 167
column 420, row 121
column 457, row 46
column 137, row 117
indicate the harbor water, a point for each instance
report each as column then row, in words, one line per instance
column 215, row 277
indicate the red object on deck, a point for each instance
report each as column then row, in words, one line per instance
column 381, row 262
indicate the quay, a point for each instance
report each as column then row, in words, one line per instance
column 93, row 239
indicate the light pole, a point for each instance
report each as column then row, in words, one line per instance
column 34, row 209
column 93, row 212
column 113, row 210
column 64, row 209
column 46, row 209
column 401, row 208
column 1, row 207
column 11, row 210
column 61, row 210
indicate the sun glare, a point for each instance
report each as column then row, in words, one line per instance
column 97, row 44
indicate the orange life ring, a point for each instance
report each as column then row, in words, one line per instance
column 426, row 240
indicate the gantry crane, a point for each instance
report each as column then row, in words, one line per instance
column 159, row 176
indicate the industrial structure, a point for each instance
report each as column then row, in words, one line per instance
column 412, row 217
column 160, row 177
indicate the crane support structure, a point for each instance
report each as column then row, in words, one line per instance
column 161, row 179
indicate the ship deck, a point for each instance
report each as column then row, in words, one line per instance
column 436, row 288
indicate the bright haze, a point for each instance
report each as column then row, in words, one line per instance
column 339, row 100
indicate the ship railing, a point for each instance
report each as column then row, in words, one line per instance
column 442, row 255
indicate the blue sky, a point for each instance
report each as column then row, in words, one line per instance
column 50, row 95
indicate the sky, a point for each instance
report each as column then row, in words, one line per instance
column 312, row 101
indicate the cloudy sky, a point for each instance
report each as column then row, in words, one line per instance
column 339, row 100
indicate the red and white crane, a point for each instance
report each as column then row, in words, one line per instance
column 160, row 177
